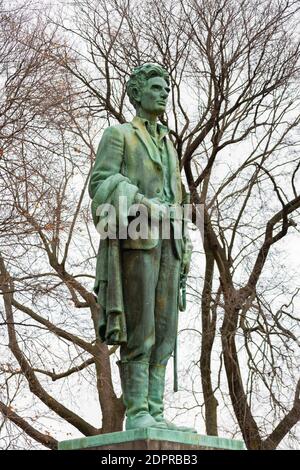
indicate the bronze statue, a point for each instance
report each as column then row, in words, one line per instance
column 138, row 278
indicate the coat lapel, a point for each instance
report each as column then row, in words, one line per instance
column 146, row 140
column 153, row 152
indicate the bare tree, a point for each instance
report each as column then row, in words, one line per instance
column 43, row 216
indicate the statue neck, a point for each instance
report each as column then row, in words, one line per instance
column 152, row 121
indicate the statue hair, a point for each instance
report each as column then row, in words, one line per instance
column 139, row 77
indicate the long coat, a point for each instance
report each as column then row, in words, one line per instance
column 127, row 158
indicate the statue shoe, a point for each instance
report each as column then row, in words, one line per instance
column 143, row 421
column 173, row 427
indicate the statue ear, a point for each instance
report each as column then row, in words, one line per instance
column 136, row 93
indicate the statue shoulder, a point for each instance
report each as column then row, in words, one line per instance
column 118, row 129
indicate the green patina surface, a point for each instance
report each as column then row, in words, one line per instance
column 154, row 435
column 139, row 279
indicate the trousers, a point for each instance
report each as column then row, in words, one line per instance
column 150, row 293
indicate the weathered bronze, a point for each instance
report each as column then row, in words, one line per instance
column 138, row 279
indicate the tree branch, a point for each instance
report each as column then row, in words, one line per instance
column 44, row 439
column 34, row 384
column 286, row 424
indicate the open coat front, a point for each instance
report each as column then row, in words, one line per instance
column 127, row 163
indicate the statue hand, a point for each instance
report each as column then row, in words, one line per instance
column 186, row 255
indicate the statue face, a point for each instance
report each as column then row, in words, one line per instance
column 153, row 97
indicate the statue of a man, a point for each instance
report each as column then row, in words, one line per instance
column 138, row 279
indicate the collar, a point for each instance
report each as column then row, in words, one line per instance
column 143, row 123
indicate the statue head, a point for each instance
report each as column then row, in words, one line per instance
column 148, row 88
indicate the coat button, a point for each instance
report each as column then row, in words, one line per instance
column 158, row 190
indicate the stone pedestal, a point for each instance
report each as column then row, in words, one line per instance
column 151, row 439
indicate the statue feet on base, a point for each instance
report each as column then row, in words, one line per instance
column 157, row 374
column 134, row 381
column 173, row 427
column 143, row 421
